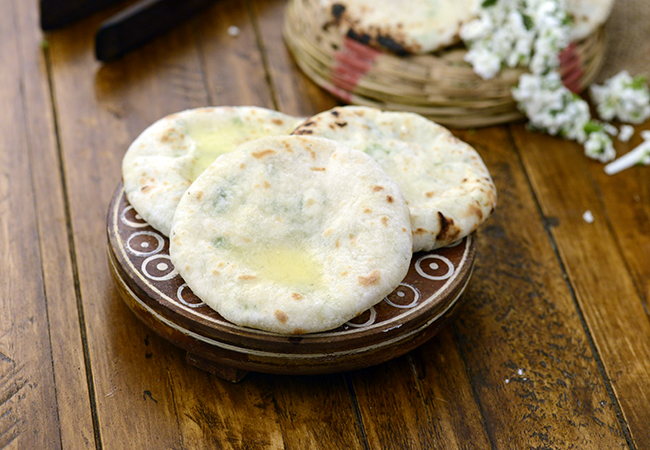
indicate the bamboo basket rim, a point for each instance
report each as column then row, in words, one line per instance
column 439, row 85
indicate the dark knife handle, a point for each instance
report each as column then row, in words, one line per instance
column 140, row 23
column 58, row 13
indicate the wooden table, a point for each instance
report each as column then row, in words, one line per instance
column 550, row 350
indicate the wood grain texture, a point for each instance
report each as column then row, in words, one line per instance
column 230, row 60
column 605, row 290
column 549, row 350
column 447, row 392
column 391, row 406
column 73, row 397
column 28, row 403
column 140, row 397
column 316, row 412
column 530, row 361
column 293, row 92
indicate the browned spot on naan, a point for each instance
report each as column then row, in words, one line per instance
column 372, row 279
column 475, row 211
column 281, row 316
column 263, row 153
column 449, row 231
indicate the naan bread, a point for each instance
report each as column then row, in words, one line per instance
column 292, row 235
column 416, row 26
column 587, row 16
column 447, row 187
column 168, row 156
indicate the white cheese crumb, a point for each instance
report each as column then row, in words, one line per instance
column 588, row 217
column 234, row 31
column 599, row 146
column 610, row 129
column 551, row 107
column 627, row 131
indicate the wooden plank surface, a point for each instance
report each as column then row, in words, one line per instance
column 597, row 269
column 63, row 316
column 530, row 358
column 549, row 349
column 28, row 403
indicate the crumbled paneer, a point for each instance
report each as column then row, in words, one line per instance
column 551, row 107
column 622, row 97
column 554, row 109
column 599, row 146
column 532, row 33
column 529, row 33
column 627, row 131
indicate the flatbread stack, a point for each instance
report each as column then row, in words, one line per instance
column 407, row 57
column 170, row 154
column 297, row 226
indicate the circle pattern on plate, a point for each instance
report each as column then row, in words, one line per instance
column 146, row 251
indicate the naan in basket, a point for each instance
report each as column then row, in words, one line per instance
column 446, row 185
column 168, row 156
column 587, row 16
column 292, row 235
column 416, row 26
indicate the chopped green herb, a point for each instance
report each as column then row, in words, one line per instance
column 219, row 242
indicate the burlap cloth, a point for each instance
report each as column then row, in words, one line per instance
column 628, row 39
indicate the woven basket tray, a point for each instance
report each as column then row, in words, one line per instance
column 439, row 85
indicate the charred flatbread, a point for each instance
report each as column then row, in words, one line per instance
column 587, row 16
column 416, row 26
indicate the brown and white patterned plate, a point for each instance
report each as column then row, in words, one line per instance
column 153, row 289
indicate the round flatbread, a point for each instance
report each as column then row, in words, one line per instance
column 587, row 16
column 292, row 235
column 447, row 187
column 418, row 26
column 168, row 156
